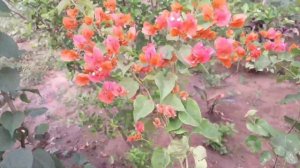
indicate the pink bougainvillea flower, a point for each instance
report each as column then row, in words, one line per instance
column 79, row 41
column 112, row 45
column 150, row 55
column 222, row 16
column 110, row 91
column 157, row 123
column 139, row 127
column 161, row 21
column 200, row 54
column 238, row 21
column 149, row 29
column 277, row 46
column 175, row 20
column 69, row 55
column 82, row 79
column 189, row 26
column 224, row 46
column 166, row 110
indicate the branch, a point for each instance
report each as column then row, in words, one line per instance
column 9, row 101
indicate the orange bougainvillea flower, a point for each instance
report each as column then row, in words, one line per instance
column 87, row 33
column 176, row 7
column 161, row 21
column 88, row 20
column 219, row 3
column 110, row 91
column 70, row 23
column 255, row 52
column 166, row 110
column 224, row 48
column 293, row 46
column 238, row 21
column 101, row 16
column 139, row 127
column 122, row 19
column 240, row 51
column 110, row 5
column 229, row 33
column 135, row 137
column 183, row 95
column 205, row 34
column 132, row 34
column 149, row 29
column 208, row 12
column 189, row 26
column 82, row 79
column 150, row 56
column 118, row 32
column 72, row 12
column 251, row 37
column 69, row 55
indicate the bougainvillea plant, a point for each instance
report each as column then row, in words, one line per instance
column 188, row 35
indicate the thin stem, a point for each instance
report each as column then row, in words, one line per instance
column 292, row 73
column 141, row 83
column 295, row 123
column 205, row 69
column 8, row 100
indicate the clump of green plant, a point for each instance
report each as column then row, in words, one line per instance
column 285, row 146
column 139, row 157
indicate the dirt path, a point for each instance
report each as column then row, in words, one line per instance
column 257, row 91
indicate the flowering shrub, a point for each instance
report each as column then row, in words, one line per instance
column 191, row 34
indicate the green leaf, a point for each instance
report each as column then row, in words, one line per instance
column 199, row 154
column 8, row 47
column 192, row 115
column 142, row 107
column 12, row 121
column 265, row 157
column 291, row 98
column 261, row 127
column 174, row 124
column 42, row 159
column 62, row 5
column 287, row 146
column 34, row 112
column 184, row 52
column 3, row 8
column 57, row 162
column 165, row 83
column 79, row 159
column 292, row 122
column 6, row 141
column 295, row 52
column 254, row 143
column 10, row 79
column 19, row 158
column 178, row 148
column 209, row 131
column 263, row 62
column 160, row 159
column 174, row 101
column 41, row 129
column 24, row 98
column 130, row 85
column 166, row 51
